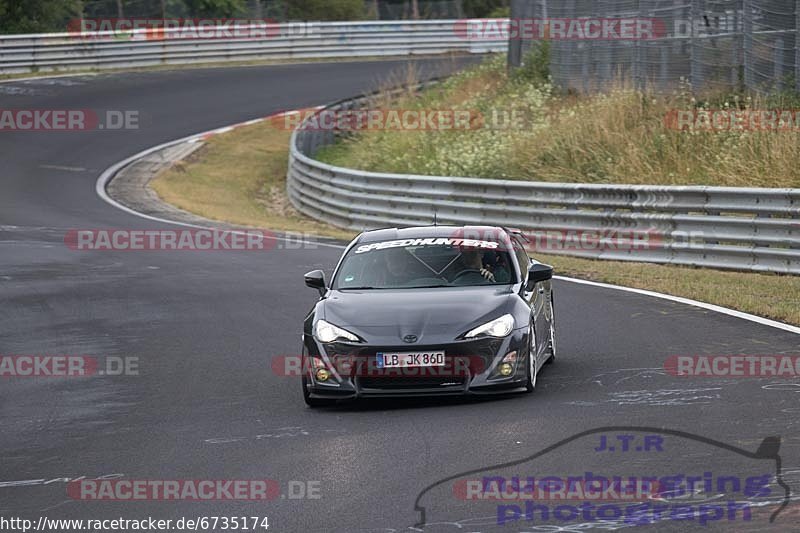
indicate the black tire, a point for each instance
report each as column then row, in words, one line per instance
column 314, row 402
column 531, row 374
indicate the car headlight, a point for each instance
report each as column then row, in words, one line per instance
column 499, row 327
column 327, row 332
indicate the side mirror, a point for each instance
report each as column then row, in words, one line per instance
column 316, row 280
column 538, row 273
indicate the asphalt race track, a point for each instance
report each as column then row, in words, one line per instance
column 204, row 327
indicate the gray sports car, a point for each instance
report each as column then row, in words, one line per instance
column 434, row 310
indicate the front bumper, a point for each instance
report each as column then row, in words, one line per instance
column 470, row 369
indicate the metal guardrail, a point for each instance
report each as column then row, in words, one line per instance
column 720, row 227
column 148, row 47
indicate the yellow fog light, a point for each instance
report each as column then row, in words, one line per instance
column 322, row 374
column 506, row 369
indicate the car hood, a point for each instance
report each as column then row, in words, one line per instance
column 433, row 315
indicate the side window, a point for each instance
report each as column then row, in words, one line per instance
column 522, row 257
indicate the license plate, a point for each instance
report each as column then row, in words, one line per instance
column 409, row 360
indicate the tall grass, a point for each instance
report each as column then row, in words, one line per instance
column 618, row 136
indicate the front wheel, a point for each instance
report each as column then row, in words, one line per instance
column 532, row 371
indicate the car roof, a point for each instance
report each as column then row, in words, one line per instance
column 423, row 232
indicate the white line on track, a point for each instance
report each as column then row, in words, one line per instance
column 64, row 168
column 37, row 78
column 108, row 174
column 694, row 303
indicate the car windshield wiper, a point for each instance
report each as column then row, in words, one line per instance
column 358, row 288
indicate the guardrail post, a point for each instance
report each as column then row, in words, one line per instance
column 778, row 65
column 586, row 57
column 515, row 45
column 797, row 45
column 692, row 53
column 747, row 41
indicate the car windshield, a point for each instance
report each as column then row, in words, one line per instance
column 425, row 263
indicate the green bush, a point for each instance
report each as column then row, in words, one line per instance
column 535, row 64
column 326, row 10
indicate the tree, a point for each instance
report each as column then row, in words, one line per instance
column 325, row 10
column 216, row 8
column 483, row 8
column 37, row 16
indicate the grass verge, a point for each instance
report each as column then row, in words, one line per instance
column 240, row 177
